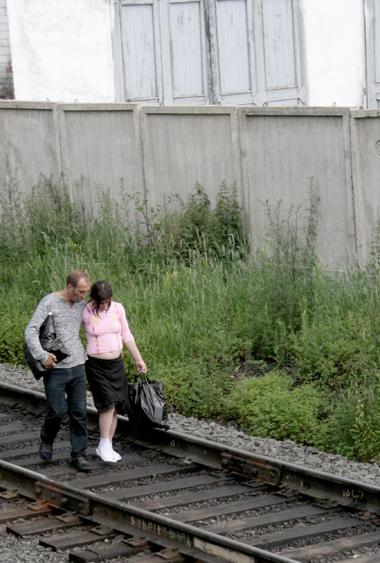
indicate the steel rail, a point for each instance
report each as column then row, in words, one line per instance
column 310, row 482
column 126, row 518
column 162, row 530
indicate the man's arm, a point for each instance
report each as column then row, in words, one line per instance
column 32, row 334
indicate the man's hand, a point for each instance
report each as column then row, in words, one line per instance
column 51, row 362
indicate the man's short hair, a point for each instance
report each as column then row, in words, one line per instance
column 76, row 275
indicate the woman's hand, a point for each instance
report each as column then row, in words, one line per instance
column 141, row 366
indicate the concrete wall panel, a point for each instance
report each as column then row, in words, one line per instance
column 185, row 145
column 28, row 142
column 366, row 174
column 284, row 149
column 101, row 144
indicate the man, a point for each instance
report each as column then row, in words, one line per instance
column 66, row 377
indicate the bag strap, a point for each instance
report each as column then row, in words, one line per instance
column 145, row 378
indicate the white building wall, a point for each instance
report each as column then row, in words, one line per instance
column 334, row 47
column 62, row 50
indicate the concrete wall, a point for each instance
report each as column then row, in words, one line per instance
column 270, row 153
column 29, row 142
column 184, row 145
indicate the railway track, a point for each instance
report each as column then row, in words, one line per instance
column 176, row 498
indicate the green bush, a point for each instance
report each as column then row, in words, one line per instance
column 355, row 422
column 270, row 407
column 326, row 348
column 12, row 338
column 191, row 391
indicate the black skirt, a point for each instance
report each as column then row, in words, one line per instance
column 108, row 384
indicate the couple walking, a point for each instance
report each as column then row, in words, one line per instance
column 106, row 330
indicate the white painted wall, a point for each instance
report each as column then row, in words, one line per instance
column 334, row 37
column 62, row 50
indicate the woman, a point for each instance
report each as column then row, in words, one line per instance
column 107, row 329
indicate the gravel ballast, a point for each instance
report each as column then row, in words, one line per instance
column 228, row 435
column 13, row 549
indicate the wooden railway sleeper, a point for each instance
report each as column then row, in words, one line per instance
column 252, row 468
column 128, row 549
column 76, row 539
column 42, row 525
column 89, row 555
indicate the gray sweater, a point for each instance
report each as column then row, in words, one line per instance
column 67, row 323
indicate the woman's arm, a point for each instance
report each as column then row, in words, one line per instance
column 134, row 351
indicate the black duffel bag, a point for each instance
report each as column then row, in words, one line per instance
column 147, row 404
column 50, row 343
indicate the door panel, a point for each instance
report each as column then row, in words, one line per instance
column 139, row 51
column 186, row 49
column 376, row 25
column 279, row 48
column 233, row 46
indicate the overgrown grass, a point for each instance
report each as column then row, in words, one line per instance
column 204, row 307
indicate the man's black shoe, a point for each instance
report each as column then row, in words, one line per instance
column 80, row 464
column 46, row 452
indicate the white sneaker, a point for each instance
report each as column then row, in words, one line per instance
column 106, row 456
column 117, row 457
column 115, row 454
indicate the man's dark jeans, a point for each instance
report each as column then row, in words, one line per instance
column 58, row 384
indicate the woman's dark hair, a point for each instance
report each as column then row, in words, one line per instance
column 100, row 291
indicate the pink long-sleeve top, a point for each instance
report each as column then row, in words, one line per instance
column 107, row 330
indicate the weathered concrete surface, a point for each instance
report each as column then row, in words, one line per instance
column 28, row 142
column 366, row 175
column 101, row 143
column 282, row 151
column 185, row 145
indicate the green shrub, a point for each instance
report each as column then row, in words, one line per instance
column 355, row 422
column 191, row 391
column 270, row 407
column 326, row 347
column 12, row 338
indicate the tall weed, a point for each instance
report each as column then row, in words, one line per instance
column 355, row 420
column 203, row 307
